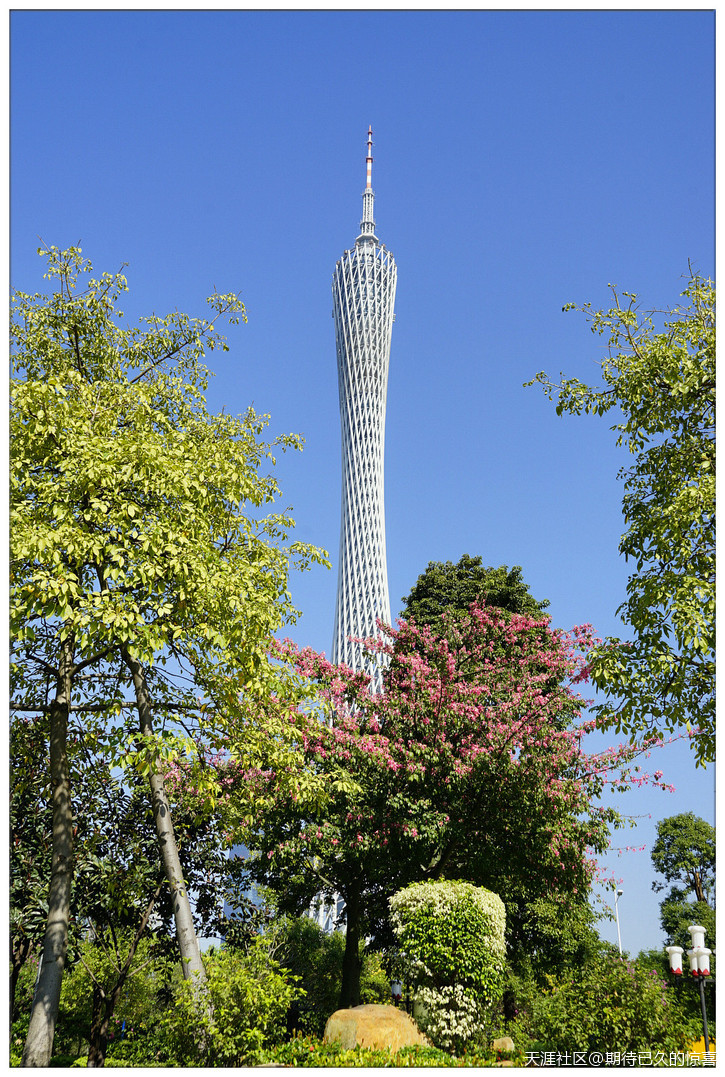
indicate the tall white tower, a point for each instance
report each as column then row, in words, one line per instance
column 363, row 294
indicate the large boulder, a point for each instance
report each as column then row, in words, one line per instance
column 373, row 1026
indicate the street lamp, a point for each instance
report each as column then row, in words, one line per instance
column 699, row 957
column 616, row 913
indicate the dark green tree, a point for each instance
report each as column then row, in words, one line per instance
column 445, row 591
column 684, row 853
column 453, row 589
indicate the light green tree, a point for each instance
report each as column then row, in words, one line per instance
column 658, row 376
column 141, row 535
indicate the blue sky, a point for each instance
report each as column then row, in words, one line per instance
column 522, row 160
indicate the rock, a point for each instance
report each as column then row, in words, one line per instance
column 373, row 1026
column 503, row 1044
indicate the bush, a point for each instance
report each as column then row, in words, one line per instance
column 249, row 995
column 451, row 938
column 315, row 957
column 608, row 1005
column 310, row 1052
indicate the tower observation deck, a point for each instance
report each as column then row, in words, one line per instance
column 363, row 295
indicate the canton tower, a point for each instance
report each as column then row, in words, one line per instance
column 363, row 294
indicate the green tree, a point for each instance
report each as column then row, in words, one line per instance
column 659, row 375
column 139, row 533
column 469, row 765
column 684, row 853
column 453, row 589
column 559, row 933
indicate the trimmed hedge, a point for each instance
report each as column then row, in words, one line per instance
column 452, row 950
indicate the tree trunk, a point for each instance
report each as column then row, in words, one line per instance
column 697, row 885
column 191, row 962
column 19, row 953
column 351, row 962
column 44, row 1012
column 97, row 1041
column 102, row 1017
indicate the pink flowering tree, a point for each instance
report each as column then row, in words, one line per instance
column 469, row 764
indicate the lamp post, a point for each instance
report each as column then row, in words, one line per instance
column 699, row 958
column 616, row 913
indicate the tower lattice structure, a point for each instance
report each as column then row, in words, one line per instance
column 363, row 292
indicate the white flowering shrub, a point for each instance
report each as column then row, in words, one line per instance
column 451, row 939
column 452, row 1017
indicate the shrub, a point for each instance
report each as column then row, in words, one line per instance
column 250, row 996
column 451, row 938
column 607, row 1005
column 307, row 1051
column 452, row 1017
column 315, row 957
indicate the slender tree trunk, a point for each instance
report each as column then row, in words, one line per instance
column 44, row 1012
column 98, row 1044
column 191, row 962
column 19, row 953
column 697, row 885
column 351, row 961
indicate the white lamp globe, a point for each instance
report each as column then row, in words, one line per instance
column 675, row 954
column 697, row 932
column 703, row 960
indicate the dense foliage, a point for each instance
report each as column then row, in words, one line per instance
column 315, row 958
column 450, row 936
column 659, row 375
column 251, row 996
column 469, row 765
column 684, row 854
column 608, row 1005
column 451, row 932
column 451, row 589
column 309, row 1052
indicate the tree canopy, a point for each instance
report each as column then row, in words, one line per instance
column 659, row 376
column 143, row 556
column 469, row 765
column 684, row 854
column 451, row 588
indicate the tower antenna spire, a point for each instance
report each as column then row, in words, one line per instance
column 367, row 224
column 369, row 159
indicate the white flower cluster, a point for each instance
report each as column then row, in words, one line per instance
column 451, row 1017
column 438, row 900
